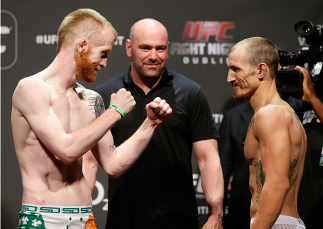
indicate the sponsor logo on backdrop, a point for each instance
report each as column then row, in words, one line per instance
column 204, row 42
column 203, row 210
column 119, row 41
column 100, row 196
column 51, row 39
column 198, row 186
column 101, row 192
column 46, row 39
column 9, row 40
column 217, row 118
column 199, row 194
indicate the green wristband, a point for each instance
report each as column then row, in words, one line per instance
column 119, row 109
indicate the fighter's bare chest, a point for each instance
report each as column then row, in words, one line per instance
column 73, row 112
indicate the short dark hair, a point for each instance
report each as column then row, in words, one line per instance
column 260, row 50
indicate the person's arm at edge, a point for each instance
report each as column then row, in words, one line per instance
column 309, row 94
column 212, row 180
column 275, row 158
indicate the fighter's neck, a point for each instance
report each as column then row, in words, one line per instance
column 264, row 96
column 61, row 73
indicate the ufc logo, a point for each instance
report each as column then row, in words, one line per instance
column 9, row 40
column 201, row 31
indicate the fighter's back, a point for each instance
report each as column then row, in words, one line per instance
column 275, row 148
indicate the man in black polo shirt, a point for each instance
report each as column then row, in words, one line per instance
column 157, row 191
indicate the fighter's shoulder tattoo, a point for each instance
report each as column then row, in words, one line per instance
column 292, row 169
column 112, row 148
column 251, row 122
column 260, row 178
column 299, row 121
column 96, row 104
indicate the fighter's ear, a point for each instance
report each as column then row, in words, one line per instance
column 128, row 47
column 82, row 45
column 262, row 69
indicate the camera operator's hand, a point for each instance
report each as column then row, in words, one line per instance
column 308, row 89
column 309, row 95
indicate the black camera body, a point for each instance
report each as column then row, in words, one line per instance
column 310, row 57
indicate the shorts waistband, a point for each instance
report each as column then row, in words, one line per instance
column 286, row 220
column 57, row 209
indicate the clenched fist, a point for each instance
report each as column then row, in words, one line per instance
column 158, row 111
column 123, row 99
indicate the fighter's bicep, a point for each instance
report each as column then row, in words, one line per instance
column 271, row 130
column 33, row 102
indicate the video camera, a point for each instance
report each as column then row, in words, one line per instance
column 310, row 57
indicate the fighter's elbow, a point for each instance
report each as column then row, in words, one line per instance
column 113, row 174
column 64, row 149
column 66, row 159
column 66, row 155
column 283, row 186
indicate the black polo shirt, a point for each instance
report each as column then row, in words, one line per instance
column 157, row 191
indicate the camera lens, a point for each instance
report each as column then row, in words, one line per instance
column 306, row 29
